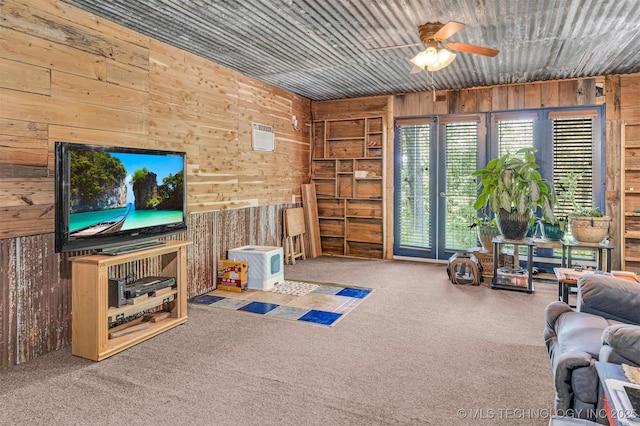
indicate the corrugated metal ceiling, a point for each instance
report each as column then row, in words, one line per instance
column 326, row 49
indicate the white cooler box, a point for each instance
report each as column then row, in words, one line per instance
column 266, row 265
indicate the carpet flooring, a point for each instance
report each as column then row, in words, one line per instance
column 419, row 351
column 323, row 304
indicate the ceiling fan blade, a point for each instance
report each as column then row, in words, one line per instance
column 470, row 48
column 399, row 46
column 449, row 29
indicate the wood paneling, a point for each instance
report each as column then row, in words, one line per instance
column 88, row 80
column 35, row 309
column 67, row 75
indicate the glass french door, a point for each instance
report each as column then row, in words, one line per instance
column 434, row 188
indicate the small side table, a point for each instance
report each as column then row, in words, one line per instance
column 498, row 279
column 568, row 279
column 601, row 250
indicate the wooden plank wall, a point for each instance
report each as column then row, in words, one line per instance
column 375, row 106
column 68, row 75
column 621, row 97
column 35, row 310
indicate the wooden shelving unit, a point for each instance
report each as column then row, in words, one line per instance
column 91, row 312
column 347, row 170
column 630, row 200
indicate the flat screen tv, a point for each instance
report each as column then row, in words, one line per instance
column 115, row 199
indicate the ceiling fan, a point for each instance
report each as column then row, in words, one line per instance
column 437, row 54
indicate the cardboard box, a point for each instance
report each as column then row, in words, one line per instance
column 485, row 259
column 233, row 275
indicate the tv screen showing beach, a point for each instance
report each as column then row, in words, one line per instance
column 116, row 191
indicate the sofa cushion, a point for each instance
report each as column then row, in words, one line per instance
column 603, row 295
column 580, row 331
column 624, row 339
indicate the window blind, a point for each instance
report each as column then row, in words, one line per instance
column 460, row 161
column 573, row 151
column 514, row 134
column 415, row 203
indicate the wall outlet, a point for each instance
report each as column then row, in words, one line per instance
column 293, row 199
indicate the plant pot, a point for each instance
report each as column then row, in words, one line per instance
column 553, row 232
column 590, row 230
column 512, row 225
column 486, row 234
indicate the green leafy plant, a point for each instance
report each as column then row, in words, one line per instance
column 513, row 183
column 483, row 219
column 569, row 185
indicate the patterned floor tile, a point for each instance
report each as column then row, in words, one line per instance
column 354, row 292
column 320, row 317
column 323, row 306
column 258, row 307
column 287, row 312
column 328, row 289
column 206, row 299
column 229, row 303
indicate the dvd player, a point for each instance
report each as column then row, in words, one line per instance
column 147, row 285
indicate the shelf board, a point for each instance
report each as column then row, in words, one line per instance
column 632, row 234
column 345, row 139
column 120, row 343
column 363, row 217
column 331, row 217
column 150, row 303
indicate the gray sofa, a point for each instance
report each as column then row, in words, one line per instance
column 604, row 327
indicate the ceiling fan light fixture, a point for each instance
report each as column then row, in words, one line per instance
column 445, row 58
column 429, row 56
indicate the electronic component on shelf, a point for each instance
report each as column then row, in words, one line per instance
column 147, row 285
column 117, row 298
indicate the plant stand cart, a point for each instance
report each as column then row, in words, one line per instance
column 517, row 278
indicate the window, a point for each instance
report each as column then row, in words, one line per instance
column 461, row 153
column 568, row 143
column 574, row 152
column 514, row 135
column 415, row 203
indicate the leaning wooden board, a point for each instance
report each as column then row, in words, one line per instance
column 310, row 206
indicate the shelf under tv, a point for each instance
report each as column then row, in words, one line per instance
column 131, row 248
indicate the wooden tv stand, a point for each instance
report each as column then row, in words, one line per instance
column 90, row 300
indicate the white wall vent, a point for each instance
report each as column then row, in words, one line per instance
column 264, row 139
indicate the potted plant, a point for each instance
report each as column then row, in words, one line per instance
column 588, row 225
column 513, row 188
column 553, row 228
column 487, row 230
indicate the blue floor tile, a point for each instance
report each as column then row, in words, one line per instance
column 206, row 299
column 320, row 317
column 354, row 292
column 258, row 307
